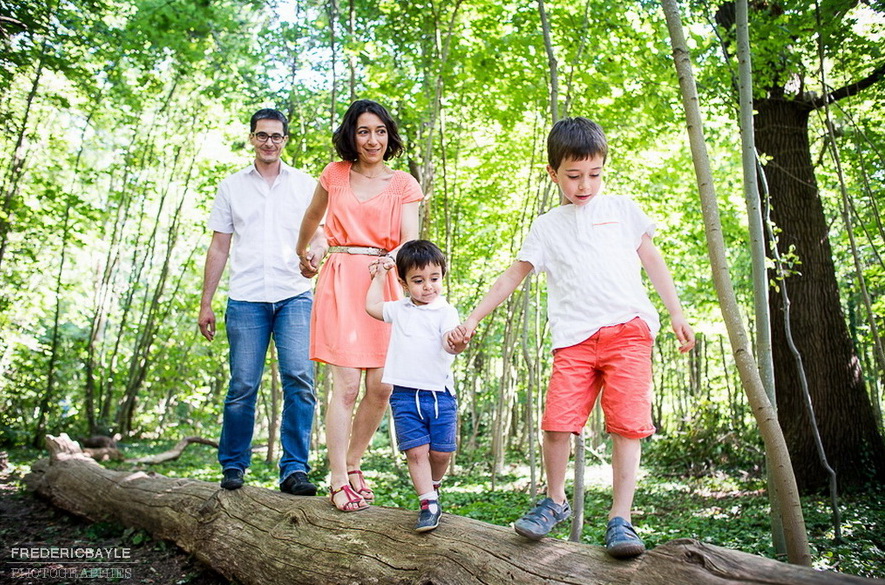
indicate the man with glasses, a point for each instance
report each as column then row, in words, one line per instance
column 255, row 219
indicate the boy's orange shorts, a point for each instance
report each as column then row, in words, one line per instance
column 615, row 360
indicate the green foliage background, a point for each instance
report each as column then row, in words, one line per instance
column 120, row 117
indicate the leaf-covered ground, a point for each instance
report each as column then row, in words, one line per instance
column 728, row 510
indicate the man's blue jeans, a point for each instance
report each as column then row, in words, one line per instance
column 249, row 329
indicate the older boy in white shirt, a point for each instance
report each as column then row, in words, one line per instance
column 601, row 320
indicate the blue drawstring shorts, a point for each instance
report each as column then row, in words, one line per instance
column 422, row 417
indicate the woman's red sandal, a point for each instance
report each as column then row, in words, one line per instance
column 362, row 488
column 353, row 499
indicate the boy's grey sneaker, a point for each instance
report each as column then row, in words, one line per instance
column 428, row 517
column 542, row 518
column 621, row 540
column 297, row 484
column 232, row 478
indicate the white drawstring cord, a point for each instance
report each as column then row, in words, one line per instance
column 435, row 405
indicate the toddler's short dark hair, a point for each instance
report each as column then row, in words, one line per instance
column 418, row 254
column 576, row 138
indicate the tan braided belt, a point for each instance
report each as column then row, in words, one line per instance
column 365, row 250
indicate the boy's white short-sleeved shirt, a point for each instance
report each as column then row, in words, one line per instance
column 416, row 357
column 264, row 220
column 594, row 274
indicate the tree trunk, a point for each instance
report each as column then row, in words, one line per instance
column 437, row 47
column 10, row 200
column 261, row 536
column 332, row 12
column 157, row 306
column 551, row 62
column 776, row 450
column 276, row 398
column 99, row 365
column 847, row 425
column 49, row 393
column 761, row 309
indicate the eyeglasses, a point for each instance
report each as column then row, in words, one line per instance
column 263, row 136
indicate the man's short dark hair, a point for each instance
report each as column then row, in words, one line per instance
column 344, row 138
column 575, row 138
column 269, row 114
column 418, row 254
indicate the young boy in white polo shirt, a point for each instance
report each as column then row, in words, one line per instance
column 591, row 248
column 419, row 366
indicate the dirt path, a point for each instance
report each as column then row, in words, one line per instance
column 43, row 545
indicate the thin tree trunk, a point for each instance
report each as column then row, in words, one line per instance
column 48, row 395
column 532, row 360
column 426, row 174
column 757, row 250
column 141, row 258
column 766, row 417
column 351, row 55
column 96, row 385
column 154, row 313
column 332, row 10
column 504, row 407
column 551, row 62
column 17, row 161
column 138, row 364
column 578, row 508
column 49, row 392
column 273, row 417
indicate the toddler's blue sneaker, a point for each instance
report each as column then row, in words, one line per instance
column 621, row 540
column 542, row 518
column 428, row 517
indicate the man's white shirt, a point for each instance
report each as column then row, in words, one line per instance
column 264, row 221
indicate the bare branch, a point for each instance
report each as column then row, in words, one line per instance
column 851, row 89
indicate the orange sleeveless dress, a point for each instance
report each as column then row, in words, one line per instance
column 341, row 332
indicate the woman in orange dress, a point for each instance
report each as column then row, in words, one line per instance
column 370, row 211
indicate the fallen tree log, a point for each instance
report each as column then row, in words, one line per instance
column 260, row 536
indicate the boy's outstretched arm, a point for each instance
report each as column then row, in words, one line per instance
column 662, row 280
column 375, row 295
column 501, row 289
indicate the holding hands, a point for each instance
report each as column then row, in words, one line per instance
column 454, row 342
column 457, row 339
column 463, row 333
column 309, row 261
column 381, row 266
column 378, row 270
